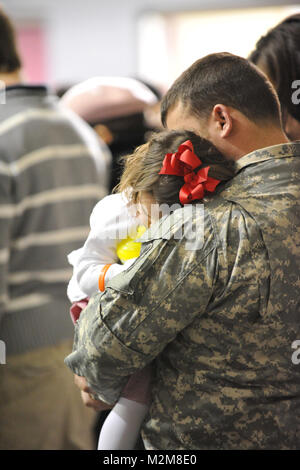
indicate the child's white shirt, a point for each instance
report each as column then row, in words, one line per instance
column 113, row 219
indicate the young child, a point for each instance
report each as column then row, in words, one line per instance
column 174, row 167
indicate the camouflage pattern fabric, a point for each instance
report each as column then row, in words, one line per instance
column 217, row 323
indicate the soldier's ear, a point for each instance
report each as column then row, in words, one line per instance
column 220, row 122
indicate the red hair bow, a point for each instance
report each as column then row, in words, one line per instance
column 182, row 163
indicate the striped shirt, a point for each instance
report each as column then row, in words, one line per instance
column 53, row 170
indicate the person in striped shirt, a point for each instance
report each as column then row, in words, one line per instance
column 53, row 170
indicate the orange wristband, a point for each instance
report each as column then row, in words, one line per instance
column 102, row 277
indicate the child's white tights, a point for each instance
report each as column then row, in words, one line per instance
column 121, row 428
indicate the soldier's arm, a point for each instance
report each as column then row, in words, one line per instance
column 141, row 312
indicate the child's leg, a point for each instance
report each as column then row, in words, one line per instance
column 122, row 426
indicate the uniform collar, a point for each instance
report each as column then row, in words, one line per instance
column 275, row 151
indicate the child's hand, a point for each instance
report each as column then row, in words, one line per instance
column 87, row 399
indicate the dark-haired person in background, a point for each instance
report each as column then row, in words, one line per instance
column 52, row 173
column 219, row 321
column 277, row 54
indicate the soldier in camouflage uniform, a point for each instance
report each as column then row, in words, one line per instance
column 218, row 322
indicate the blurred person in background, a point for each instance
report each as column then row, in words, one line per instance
column 121, row 110
column 277, row 54
column 52, row 171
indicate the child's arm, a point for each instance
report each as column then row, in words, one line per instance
column 74, row 292
column 111, row 221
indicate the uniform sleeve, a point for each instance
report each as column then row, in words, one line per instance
column 141, row 312
column 110, row 222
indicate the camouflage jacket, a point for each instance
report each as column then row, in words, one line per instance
column 218, row 322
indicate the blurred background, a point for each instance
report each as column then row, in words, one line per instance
column 68, row 41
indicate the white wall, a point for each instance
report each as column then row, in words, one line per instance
column 98, row 37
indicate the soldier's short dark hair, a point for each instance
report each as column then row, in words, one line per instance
column 226, row 79
column 9, row 57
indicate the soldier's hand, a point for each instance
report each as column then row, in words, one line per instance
column 86, row 396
